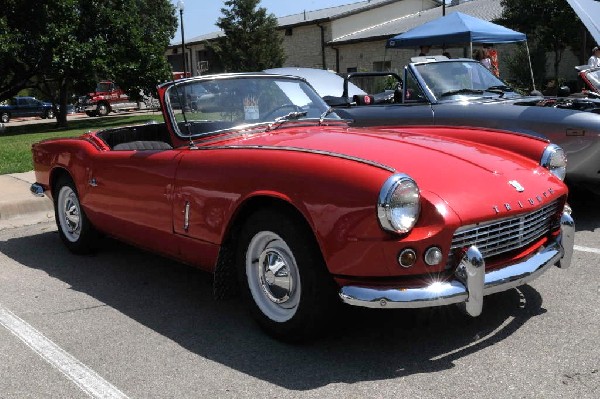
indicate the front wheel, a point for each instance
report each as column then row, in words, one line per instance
column 4, row 117
column 74, row 228
column 283, row 276
column 49, row 114
column 102, row 109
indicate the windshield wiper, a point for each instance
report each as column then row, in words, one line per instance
column 295, row 115
column 461, row 91
column 500, row 89
column 324, row 115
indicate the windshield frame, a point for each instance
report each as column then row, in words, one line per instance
column 179, row 86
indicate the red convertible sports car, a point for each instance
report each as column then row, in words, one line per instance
column 271, row 191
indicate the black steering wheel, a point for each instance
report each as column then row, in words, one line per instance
column 272, row 114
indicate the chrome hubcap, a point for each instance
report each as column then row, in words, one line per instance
column 273, row 276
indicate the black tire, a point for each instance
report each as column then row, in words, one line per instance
column 292, row 302
column 49, row 114
column 74, row 228
column 4, row 117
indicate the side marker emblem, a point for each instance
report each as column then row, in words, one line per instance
column 517, row 185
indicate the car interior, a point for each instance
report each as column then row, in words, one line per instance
column 151, row 136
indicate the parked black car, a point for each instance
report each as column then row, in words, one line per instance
column 462, row 92
column 24, row 107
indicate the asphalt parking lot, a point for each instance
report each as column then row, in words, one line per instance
column 126, row 323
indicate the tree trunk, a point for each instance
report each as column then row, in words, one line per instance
column 558, row 52
column 61, row 117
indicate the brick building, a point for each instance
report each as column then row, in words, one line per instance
column 310, row 39
column 352, row 37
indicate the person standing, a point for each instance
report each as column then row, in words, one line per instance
column 594, row 60
column 481, row 56
column 424, row 50
column 492, row 54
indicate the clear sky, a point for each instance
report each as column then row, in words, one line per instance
column 200, row 16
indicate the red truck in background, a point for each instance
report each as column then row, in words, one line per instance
column 108, row 97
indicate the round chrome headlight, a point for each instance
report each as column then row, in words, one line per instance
column 399, row 204
column 555, row 160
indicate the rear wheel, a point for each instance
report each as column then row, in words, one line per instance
column 283, row 276
column 74, row 228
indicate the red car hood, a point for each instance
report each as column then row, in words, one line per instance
column 465, row 175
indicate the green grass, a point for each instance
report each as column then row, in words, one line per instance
column 16, row 140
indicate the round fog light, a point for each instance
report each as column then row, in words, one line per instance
column 433, row 256
column 407, row 257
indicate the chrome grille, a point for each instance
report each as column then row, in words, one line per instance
column 507, row 234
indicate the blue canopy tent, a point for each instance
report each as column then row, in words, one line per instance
column 455, row 28
column 458, row 28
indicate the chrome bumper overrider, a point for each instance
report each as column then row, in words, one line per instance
column 471, row 283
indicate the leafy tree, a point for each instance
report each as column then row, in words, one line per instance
column 23, row 36
column 551, row 25
column 58, row 45
column 251, row 41
column 518, row 66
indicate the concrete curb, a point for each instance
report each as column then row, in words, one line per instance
column 18, row 206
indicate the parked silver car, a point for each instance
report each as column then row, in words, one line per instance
column 462, row 92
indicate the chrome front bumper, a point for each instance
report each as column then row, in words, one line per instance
column 471, row 283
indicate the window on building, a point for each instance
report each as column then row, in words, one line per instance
column 289, row 32
column 352, row 69
column 382, row 66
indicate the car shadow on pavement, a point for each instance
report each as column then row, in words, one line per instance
column 176, row 301
column 586, row 211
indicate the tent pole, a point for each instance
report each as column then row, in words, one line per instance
column 530, row 67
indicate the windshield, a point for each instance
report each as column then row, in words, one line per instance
column 450, row 78
column 103, row 87
column 212, row 105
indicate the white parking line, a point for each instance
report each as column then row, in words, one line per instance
column 84, row 377
column 586, row 249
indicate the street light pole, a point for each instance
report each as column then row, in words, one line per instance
column 180, row 5
column 443, row 8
